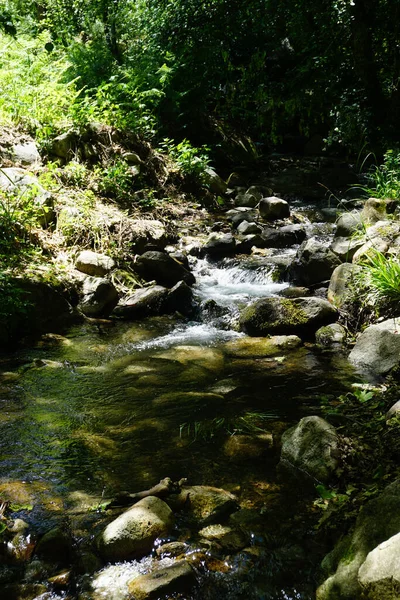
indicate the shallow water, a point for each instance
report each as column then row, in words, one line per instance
column 109, row 408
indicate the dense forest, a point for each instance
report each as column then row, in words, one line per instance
column 273, row 73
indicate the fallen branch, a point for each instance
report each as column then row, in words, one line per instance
column 164, row 488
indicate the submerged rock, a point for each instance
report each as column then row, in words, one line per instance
column 205, row 504
column 309, row 450
column 178, row 577
column 245, row 447
column 300, row 316
column 133, row 533
column 260, row 347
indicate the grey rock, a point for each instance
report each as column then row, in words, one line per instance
column 314, row 263
column 342, row 285
column 64, row 145
column 274, row 208
column 99, row 297
column 349, row 223
column 376, row 209
column 370, row 247
column 26, row 154
column 229, row 539
column 93, row 263
column 17, row 180
column 295, row 292
column 206, row 505
column 246, row 228
column 379, row 575
column 144, row 302
column 345, row 248
column 394, row 411
column 133, row 533
column 377, row 349
column 331, row 335
column 284, row 237
column 237, row 215
column 178, row 577
column 214, row 182
column 162, row 268
column 146, row 233
column 309, row 450
column 180, row 299
column 219, row 244
column 298, row 316
column 55, row 546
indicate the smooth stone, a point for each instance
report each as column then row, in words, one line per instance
column 27, row 153
column 348, row 223
column 144, row 302
column 93, row 263
column 178, row 577
column 231, row 540
column 245, row 447
column 273, row 208
column 99, row 297
column 331, row 335
column 205, row 504
column 377, row 349
column 260, row 347
column 394, row 411
column 162, row 268
column 379, row 575
column 342, row 284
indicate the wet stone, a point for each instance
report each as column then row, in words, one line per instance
column 179, row 577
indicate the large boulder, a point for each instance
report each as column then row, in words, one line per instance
column 349, row 223
column 314, row 263
column 99, row 297
column 146, row 234
column 310, row 450
column 219, row 244
column 93, row 263
column 132, row 534
column 377, row 521
column 163, row 268
column 379, row 575
column 283, row 237
column 144, row 302
column 283, row 316
column 342, row 285
column 377, row 349
column 20, row 182
column 273, row 208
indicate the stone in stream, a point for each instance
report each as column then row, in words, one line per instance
column 219, row 244
column 273, row 208
column 240, row 214
column 227, row 538
column 314, row 263
column 255, row 347
column 204, row 504
column 99, row 297
column 133, row 533
column 349, row 223
column 214, row 182
column 245, row 447
column 331, row 335
column 299, row 316
column 345, row 248
column 144, row 302
column 283, row 237
column 93, row 263
column 309, row 451
column 246, row 228
column 178, row 577
column 146, row 233
column 162, row 268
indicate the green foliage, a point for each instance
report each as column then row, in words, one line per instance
column 380, row 276
column 115, row 180
column 385, row 179
column 32, row 93
column 191, row 162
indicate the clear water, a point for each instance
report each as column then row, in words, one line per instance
column 108, row 408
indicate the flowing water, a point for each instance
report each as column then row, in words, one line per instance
column 120, row 406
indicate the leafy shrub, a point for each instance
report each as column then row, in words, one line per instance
column 115, row 180
column 191, row 161
column 385, row 179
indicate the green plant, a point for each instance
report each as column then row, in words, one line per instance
column 384, row 180
column 380, row 275
column 191, row 161
column 115, row 180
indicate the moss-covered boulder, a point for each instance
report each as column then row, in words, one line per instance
column 275, row 316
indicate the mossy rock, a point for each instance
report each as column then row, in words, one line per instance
column 275, row 316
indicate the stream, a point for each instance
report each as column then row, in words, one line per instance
column 110, row 407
